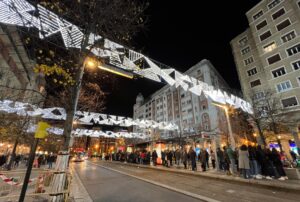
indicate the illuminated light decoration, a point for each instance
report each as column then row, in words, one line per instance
column 197, row 90
column 84, row 118
column 116, row 71
column 92, row 133
column 22, row 13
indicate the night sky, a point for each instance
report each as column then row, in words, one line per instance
column 180, row 34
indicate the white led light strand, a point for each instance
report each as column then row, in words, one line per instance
column 84, row 118
column 21, row 13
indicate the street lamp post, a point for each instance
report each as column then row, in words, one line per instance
column 232, row 141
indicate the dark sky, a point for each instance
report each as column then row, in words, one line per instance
column 180, row 34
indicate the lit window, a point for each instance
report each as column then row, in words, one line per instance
column 284, row 86
column 278, row 72
column 270, row 47
column 289, row 102
column 289, row 36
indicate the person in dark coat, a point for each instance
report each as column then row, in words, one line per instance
column 184, row 158
column 169, row 158
column 202, row 158
column 154, row 157
column 221, row 160
column 192, row 154
column 163, row 158
column 275, row 158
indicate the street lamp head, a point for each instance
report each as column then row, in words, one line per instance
column 90, row 62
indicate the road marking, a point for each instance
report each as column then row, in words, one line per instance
column 230, row 191
column 197, row 196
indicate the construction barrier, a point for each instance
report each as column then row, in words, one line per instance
column 39, row 187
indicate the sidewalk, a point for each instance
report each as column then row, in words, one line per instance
column 289, row 185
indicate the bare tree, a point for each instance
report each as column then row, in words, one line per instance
column 267, row 115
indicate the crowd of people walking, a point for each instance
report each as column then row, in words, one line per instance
column 245, row 161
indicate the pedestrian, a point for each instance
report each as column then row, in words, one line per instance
column 169, row 158
column 207, row 158
column 253, row 162
column 177, row 157
column 202, row 159
column 213, row 159
column 163, row 158
column 275, row 157
column 17, row 160
column 232, row 159
column 50, row 160
column 192, row 155
column 220, row 159
column 294, row 155
column 185, row 158
column 40, row 161
column 226, row 161
column 154, row 157
column 244, row 164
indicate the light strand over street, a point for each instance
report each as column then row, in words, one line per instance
column 84, row 118
column 22, row 13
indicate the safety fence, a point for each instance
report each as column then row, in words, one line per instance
column 40, row 186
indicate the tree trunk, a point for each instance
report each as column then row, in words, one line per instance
column 13, row 154
column 59, row 179
column 262, row 140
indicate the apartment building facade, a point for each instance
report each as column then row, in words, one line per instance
column 267, row 57
column 17, row 80
column 193, row 114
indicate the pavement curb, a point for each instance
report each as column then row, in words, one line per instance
column 269, row 184
column 193, row 195
column 78, row 191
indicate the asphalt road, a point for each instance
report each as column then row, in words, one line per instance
column 211, row 188
column 109, row 186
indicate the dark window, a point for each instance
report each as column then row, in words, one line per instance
column 278, row 14
column 288, row 37
column 289, row 102
column 299, row 4
column 243, row 41
column 265, row 35
column 245, row 50
column 256, row 16
column 278, row 72
column 293, row 50
column 248, row 61
column 283, row 25
column 252, row 72
column 296, row 65
column 273, row 59
column 261, row 25
column 255, row 83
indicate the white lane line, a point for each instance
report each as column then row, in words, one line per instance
column 197, row 196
